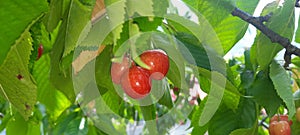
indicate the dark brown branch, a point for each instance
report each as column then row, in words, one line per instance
column 273, row 36
column 297, row 3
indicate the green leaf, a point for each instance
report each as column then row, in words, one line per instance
column 60, row 76
column 214, row 98
column 20, row 92
column 166, row 99
column 281, row 22
column 92, row 130
column 283, row 86
column 264, row 93
column 297, row 34
column 227, row 120
column 247, row 113
column 247, row 78
column 204, row 57
column 296, row 96
column 112, row 100
column 63, row 122
column 223, row 122
column 67, row 38
column 203, row 31
column 116, row 14
column 228, row 28
column 5, row 120
column 18, row 125
column 296, row 61
column 103, row 118
column 148, row 24
column 102, row 69
column 143, row 8
column 148, row 112
column 54, row 15
column 16, row 17
column 295, row 130
column 106, row 30
column 244, row 131
column 231, row 96
column 76, row 19
column 77, row 127
column 149, row 115
column 174, row 73
column 160, row 7
column 84, row 78
column 54, row 100
column 196, row 117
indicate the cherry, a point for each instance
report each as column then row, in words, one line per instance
column 40, row 51
column 136, row 83
column 279, row 128
column 117, row 69
column 158, row 62
column 281, row 118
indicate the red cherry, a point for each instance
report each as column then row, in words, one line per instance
column 280, row 128
column 136, row 83
column 40, row 51
column 158, row 62
column 281, row 118
column 117, row 69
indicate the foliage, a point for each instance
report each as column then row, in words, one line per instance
column 69, row 89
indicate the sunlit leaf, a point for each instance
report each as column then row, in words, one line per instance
column 144, row 8
column 281, row 22
column 54, row 100
column 282, row 83
column 18, row 125
column 16, row 83
column 16, row 16
column 228, row 28
column 77, row 17
column 116, row 14
column 54, row 15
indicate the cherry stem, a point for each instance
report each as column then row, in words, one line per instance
column 133, row 32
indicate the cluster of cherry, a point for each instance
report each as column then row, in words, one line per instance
column 136, row 80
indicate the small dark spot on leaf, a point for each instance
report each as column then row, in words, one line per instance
column 19, row 76
column 27, row 106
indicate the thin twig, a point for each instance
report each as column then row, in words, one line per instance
column 262, row 122
column 297, row 3
column 273, row 36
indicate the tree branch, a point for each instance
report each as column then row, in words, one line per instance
column 297, row 3
column 273, row 36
